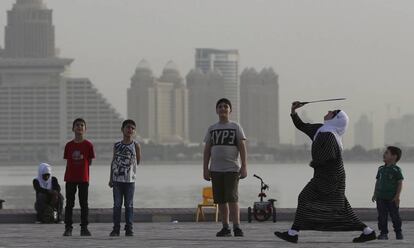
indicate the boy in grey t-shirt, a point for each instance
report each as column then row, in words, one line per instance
column 223, row 143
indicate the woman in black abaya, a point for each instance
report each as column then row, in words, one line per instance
column 322, row 204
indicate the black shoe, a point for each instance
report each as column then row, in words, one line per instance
column 114, row 233
column 399, row 236
column 286, row 237
column 383, row 237
column 68, row 231
column 224, row 232
column 129, row 233
column 238, row 232
column 364, row 238
column 85, row 232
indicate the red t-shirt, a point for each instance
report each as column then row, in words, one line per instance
column 78, row 156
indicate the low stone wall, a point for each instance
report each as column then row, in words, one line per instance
column 104, row 215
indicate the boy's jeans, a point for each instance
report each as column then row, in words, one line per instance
column 123, row 191
column 384, row 208
column 70, row 203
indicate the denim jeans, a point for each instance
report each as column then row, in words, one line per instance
column 123, row 192
column 384, row 208
column 70, row 203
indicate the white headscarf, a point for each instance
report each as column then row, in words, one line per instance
column 337, row 126
column 44, row 169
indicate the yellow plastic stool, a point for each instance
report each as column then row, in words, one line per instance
column 208, row 202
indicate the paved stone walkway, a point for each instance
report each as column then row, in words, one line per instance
column 104, row 215
column 163, row 235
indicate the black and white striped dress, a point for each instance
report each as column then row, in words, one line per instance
column 322, row 204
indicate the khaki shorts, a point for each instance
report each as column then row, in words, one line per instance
column 225, row 187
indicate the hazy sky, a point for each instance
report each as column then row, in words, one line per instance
column 359, row 49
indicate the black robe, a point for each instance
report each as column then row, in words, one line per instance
column 322, row 204
column 43, row 198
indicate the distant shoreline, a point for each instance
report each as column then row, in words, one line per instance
column 193, row 163
column 181, row 154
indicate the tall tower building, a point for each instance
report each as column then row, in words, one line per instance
column 204, row 89
column 38, row 103
column 259, row 103
column 179, row 101
column 400, row 131
column 364, row 133
column 159, row 105
column 141, row 100
column 227, row 63
column 30, row 32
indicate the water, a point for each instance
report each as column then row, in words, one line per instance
column 163, row 186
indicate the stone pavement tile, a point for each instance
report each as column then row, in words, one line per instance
column 163, row 235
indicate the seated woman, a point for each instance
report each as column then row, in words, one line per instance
column 49, row 201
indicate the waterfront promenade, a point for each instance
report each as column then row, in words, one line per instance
column 164, row 228
column 182, row 235
column 104, row 215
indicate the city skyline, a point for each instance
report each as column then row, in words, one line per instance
column 313, row 57
column 400, row 131
column 204, row 89
column 259, row 105
column 38, row 102
column 363, row 132
column 226, row 62
column 159, row 104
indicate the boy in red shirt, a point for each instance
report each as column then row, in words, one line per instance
column 78, row 154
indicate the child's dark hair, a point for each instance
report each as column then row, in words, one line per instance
column 78, row 120
column 223, row 100
column 395, row 151
column 128, row 122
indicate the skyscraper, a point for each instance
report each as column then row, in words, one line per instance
column 159, row 105
column 364, row 133
column 141, row 100
column 259, row 104
column 30, row 32
column 38, row 103
column 227, row 63
column 204, row 89
column 400, row 131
